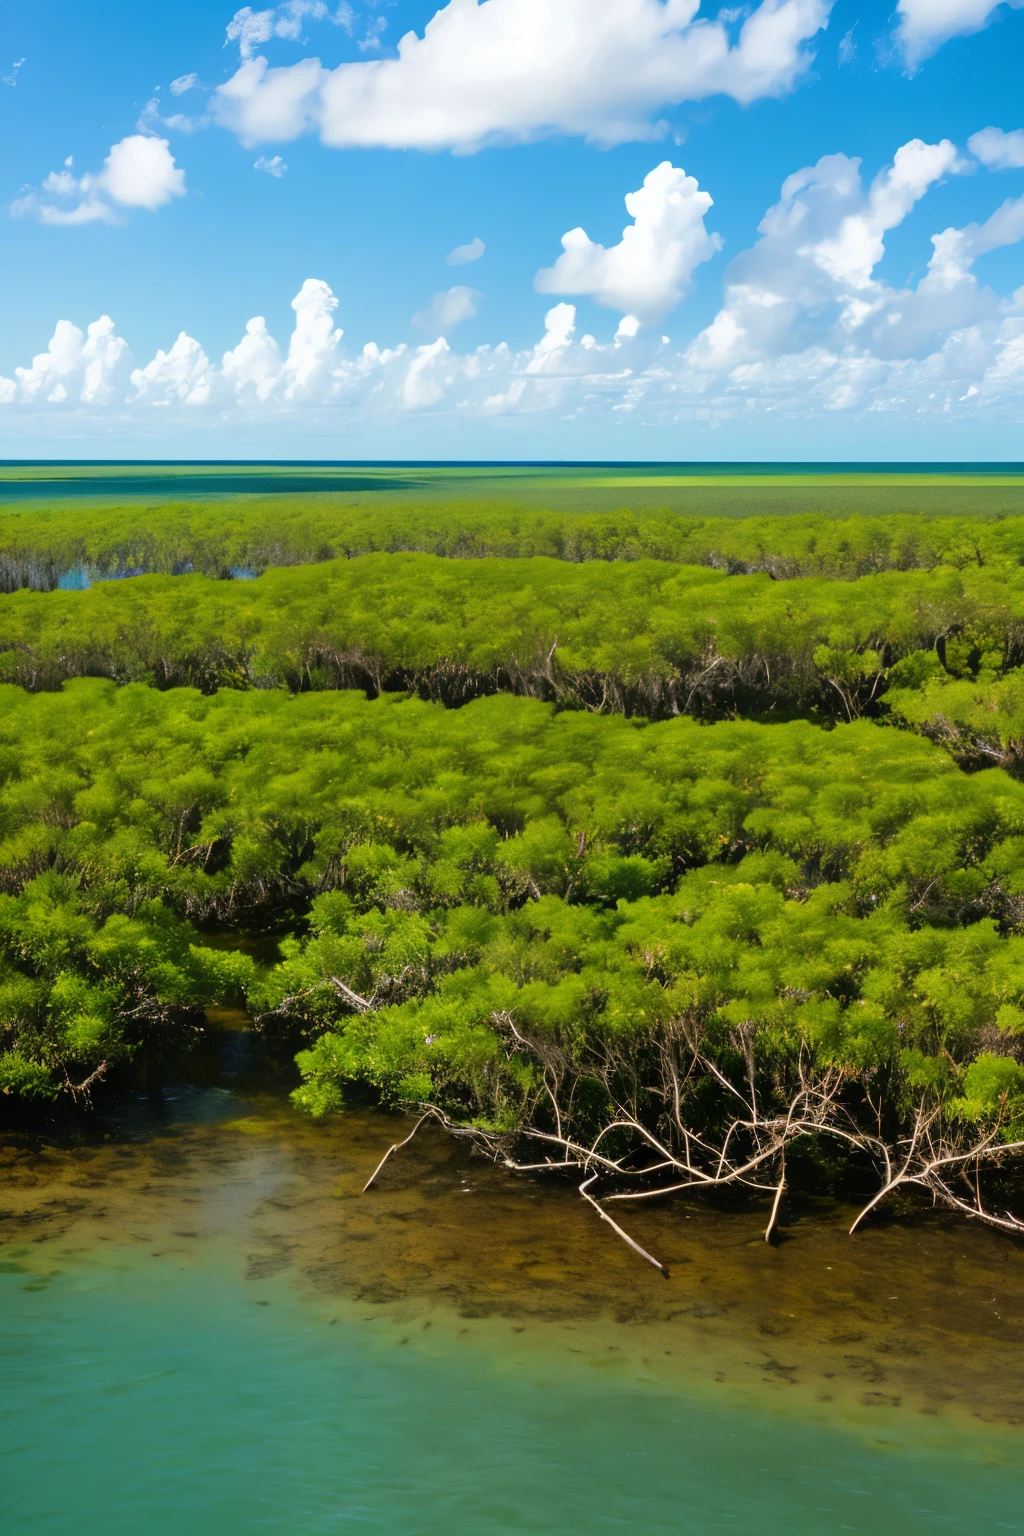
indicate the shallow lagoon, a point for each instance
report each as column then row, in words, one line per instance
column 205, row 1326
column 24, row 482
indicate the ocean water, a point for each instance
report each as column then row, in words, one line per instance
column 148, row 1394
column 207, row 1326
column 53, row 482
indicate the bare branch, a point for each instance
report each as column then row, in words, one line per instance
column 775, row 1205
column 82, row 1090
column 360, row 1004
column 584, row 1191
column 396, row 1148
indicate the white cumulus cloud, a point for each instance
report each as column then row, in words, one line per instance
column 139, row 172
column 87, row 366
column 315, row 346
column 956, row 250
column 998, row 150
column 274, row 166
column 516, row 70
column 810, row 277
column 463, row 254
column 448, row 309
column 428, row 376
column 182, row 376
column 924, row 25
column 650, row 269
column 807, row 331
column 851, row 255
column 252, row 369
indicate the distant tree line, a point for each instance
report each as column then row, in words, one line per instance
column 937, row 650
column 215, row 538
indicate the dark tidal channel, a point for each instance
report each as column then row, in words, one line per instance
column 206, row 1326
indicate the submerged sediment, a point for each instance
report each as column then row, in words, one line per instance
column 924, row 1316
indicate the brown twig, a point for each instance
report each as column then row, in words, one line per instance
column 396, row 1148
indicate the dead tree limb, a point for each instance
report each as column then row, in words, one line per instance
column 83, row 1090
column 641, row 1147
column 773, row 1218
column 360, row 1004
column 584, row 1191
column 396, row 1148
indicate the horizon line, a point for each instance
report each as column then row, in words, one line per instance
column 847, row 465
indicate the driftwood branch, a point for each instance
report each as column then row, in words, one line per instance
column 773, row 1218
column 585, row 1192
column 396, row 1148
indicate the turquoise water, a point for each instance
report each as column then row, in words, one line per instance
column 144, row 1394
column 81, row 577
column 31, row 480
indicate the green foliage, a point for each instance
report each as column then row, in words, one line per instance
column 989, row 1083
column 980, row 720
column 81, row 985
column 730, row 950
column 849, row 892
column 800, row 526
column 644, row 637
column 25, row 1079
column 478, row 891
column 214, row 805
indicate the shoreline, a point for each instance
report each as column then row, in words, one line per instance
column 901, row 1326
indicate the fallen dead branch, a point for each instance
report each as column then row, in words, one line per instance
column 585, row 1192
column 396, row 1148
column 83, row 1090
column 639, row 1156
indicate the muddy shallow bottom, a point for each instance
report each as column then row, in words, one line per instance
column 205, row 1325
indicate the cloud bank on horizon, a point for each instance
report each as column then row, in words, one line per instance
column 805, row 324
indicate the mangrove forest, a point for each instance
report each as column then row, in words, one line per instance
column 662, row 852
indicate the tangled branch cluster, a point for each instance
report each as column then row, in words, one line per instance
column 749, row 1143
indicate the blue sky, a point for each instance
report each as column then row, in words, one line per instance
column 771, row 300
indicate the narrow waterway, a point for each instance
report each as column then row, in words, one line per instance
column 206, row 1326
